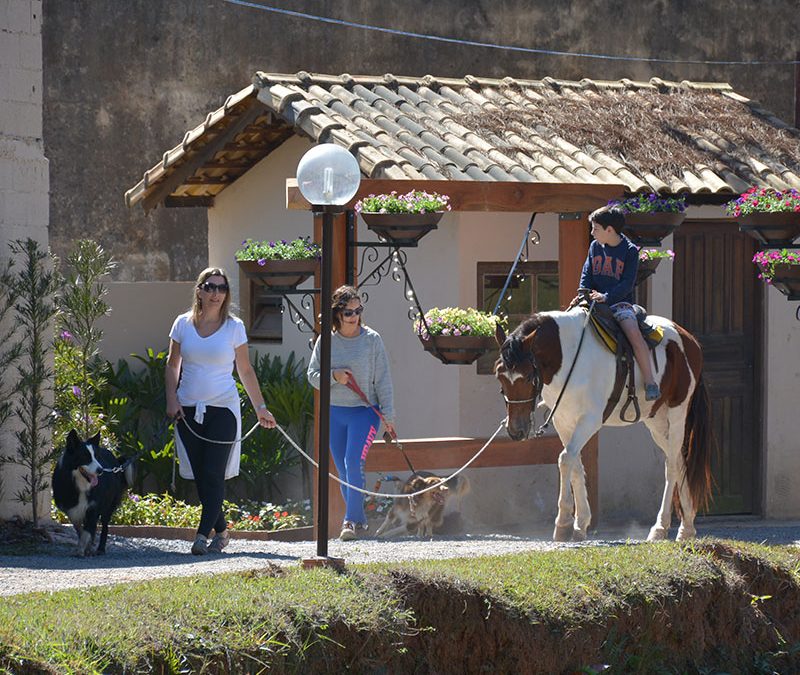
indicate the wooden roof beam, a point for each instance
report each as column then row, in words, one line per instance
column 509, row 196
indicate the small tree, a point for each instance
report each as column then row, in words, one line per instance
column 33, row 287
column 8, row 355
column 78, row 369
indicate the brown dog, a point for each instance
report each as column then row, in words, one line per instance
column 425, row 512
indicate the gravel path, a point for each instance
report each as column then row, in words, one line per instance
column 130, row 559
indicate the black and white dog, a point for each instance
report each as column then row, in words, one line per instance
column 86, row 490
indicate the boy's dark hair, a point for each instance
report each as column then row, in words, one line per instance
column 609, row 216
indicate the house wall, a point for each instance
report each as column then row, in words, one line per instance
column 24, row 180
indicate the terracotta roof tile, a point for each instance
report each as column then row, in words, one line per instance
column 699, row 137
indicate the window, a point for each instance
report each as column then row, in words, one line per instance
column 533, row 288
column 263, row 311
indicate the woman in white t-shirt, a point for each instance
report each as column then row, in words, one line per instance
column 205, row 344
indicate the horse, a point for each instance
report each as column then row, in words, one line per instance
column 542, row 358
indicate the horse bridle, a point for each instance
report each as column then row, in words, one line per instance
column 536, row 382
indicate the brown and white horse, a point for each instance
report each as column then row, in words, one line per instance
column 535, row 360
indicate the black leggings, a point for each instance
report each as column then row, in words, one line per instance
column 208, row 462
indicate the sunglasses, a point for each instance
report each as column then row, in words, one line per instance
column 208, row 287
column 352, row 312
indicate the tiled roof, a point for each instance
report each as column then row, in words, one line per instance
column 661, row 136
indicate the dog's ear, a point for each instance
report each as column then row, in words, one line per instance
column 73, row 440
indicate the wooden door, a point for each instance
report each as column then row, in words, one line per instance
column 716, row 296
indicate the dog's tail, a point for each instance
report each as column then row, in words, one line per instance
column 459, row 486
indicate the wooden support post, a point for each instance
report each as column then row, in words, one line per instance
column 339, row 270
column 573, row 245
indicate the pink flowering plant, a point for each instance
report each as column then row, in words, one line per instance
column 301, row 248
column 767, row 260
column 416, row 201
column 456, row 321
column 650, row 203
column 655, row 254
column 764, row 200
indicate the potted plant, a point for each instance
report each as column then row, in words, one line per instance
column 281, row 265
column 456, row 335
column 768, row 215
column 403, row 219
column 649, row 260
column 780, row 269
column 650, row 217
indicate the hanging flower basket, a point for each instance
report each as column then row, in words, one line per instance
column 780, row 269
column 649, row 260
column 456, row 336
column 402, row 228
column 280, row 265
column 772, row 217
column 403, row 219
column 650, row 217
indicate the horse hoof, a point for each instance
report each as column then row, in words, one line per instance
column 657, row 533
column 578, row 535
column 563, row 533
column 685, row 534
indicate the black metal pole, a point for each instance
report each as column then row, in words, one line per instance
column 324, row 383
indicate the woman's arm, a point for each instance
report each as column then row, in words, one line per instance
column 171, row 374
column 383, row 384
column 250, row 383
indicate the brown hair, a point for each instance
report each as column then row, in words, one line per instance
column 609, row 216
column 341, row 297
column 197, row 303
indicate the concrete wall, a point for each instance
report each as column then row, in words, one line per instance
column 24, row 176
column 125, row 80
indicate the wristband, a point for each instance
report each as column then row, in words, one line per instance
column 263, row 406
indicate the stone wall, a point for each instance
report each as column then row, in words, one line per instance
column 125, row 80
column 24, row 177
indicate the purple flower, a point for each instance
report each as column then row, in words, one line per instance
column 262, row 261
column 66, row 335
column 76, row 390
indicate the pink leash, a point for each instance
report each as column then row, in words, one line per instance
column 392, row 435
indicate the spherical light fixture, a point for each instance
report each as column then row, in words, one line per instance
column 328, row 175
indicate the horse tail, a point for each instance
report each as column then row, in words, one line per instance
column 698, row 444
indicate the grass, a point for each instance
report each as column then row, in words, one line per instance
column 276, row 615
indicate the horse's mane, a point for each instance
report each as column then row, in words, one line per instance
column 512, row 352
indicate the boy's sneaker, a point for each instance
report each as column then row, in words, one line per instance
column 219, row 542
column 348, row 532
column 651, row 392
column 200, row 546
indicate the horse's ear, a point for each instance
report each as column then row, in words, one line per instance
column 499, row 335
column 527, row 343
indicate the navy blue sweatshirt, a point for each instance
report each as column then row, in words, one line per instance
column 611, row 270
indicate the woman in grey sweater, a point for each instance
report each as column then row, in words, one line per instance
column 357, row 353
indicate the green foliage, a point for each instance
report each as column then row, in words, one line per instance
column 8, row 353
column 135, row 400
column 416, row 201
column 456, row 321
column 656, row 253
column 766, row 261
column 167, row 511
column 77, row 361
column 290, row 398
column 764, row 200
column 33, row 286
column 297, row 249
column 651, row 203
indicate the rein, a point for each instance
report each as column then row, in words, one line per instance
column 537, row 391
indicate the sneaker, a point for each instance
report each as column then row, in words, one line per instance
column 219, row 542
column 348, row 532
column 651, row 392
column 200, row 546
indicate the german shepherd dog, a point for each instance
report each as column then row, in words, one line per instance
column 86, row 490
column 423, row 513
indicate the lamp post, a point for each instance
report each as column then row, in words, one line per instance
column 328, row 176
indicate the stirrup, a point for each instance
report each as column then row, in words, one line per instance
column 631, row 399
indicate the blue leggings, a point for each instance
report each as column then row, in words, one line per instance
column 352, row 433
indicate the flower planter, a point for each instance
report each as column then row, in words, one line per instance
column 402, row 229
column 280, row 274
column 646, row 269
column 649, row 229
column 787, row 280
column 774, row 230
column 458, row 349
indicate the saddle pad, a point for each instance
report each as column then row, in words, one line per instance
column 652, row 334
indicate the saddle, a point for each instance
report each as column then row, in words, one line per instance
column 612, row 336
